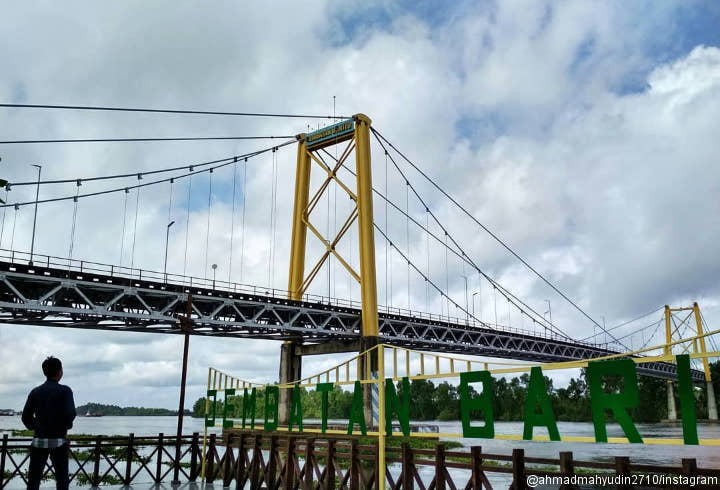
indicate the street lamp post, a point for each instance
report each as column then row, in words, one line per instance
column 37, row 196
column 214, row 268
column 473, row 304
column 167, row 239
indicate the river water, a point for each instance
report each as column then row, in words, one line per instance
column 707, row 456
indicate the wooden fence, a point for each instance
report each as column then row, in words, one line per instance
column 255, row 460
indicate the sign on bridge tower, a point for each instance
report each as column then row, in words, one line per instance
column 354, row 133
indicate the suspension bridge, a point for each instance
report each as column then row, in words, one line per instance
column 317, row 312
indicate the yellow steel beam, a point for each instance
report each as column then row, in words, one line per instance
column 299, row 230
column 698, row 322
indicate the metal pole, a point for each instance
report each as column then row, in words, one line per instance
column 37, row 196
column 186, row 325
column 473, row 302
column 214, row 268
column 167, row 239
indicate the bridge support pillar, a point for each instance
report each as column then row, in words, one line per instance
column 712, row 405
column 672, row 413
column 290, row 370
column 370, row 391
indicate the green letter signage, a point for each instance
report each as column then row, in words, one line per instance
column 400, row 407
column 229, row 407
column 271, row 407
column 537, row 395
column 296, row 414
column 618, row 403
column 482, row 403
column 357, row 414
column 210, row 421
column 248, row 408
column 687, row 400
column 324, row 389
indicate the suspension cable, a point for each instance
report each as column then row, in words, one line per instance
column 132, row 140
column 627, row 322
column 167, row 111
column 507, row 247
column 460, row 252
column 191, row 168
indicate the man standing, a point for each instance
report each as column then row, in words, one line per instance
column 49, row 411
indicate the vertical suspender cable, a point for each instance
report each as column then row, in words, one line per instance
column 272, row 220
column 12, row 237
column 172, row 183
column 74, row 222
column 495, row 302
column 427, row 252
column 243, row 189
column 407, row 237
column 122, row 237
column 447, row 280
column 2, row 229
column 207, row 228
column 137, row 206
column 388, row 230
column 187, row 224
column 275, row 214
column 232, row 220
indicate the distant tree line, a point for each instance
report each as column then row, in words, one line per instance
column 110, row 410
column 442, row 401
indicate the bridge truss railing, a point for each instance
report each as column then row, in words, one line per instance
column 80, row 267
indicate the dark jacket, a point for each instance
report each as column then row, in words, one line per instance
column 49, row 410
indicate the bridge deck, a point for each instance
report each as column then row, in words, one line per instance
column 51, row 296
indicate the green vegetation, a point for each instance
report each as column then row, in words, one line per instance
column 442, row 401
column 110, row 410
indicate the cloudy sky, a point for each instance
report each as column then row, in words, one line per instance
column 580, row 132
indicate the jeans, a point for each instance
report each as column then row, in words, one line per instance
column 59, row 459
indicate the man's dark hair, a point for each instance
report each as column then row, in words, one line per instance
column 51, row 367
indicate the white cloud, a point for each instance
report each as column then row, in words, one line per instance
column 513, row 109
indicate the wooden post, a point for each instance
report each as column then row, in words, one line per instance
column 354, row 466
column 689, row 466
column 96, row 465
column 255, row 464
column 477, row 469
column 158, row 465
column 440, row 466
column 3, row 452
column 290, row 465
column 622, row 467
column 308, row 476
column 240, row 472
column 210, row 463
column 194, row 451
column 128, row 463
column 272, row 462
column 567, row 468
column 518, row 469
column 228, row 462
column 407, row 467
column 330, row 467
